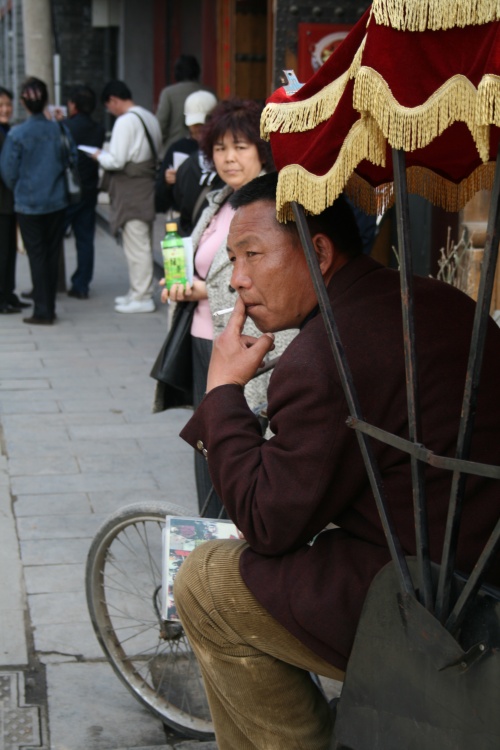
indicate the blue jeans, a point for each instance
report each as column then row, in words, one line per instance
column 81, row 217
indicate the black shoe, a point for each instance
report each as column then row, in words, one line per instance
column 28, row 294
column 16, row 302
column 78, row 295
column 38, row 321
column 7, row 309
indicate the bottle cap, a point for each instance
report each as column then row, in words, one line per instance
column 171, row 226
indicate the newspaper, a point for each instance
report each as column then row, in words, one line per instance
column 180, row 537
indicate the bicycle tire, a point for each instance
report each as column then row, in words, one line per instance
column 123, row 586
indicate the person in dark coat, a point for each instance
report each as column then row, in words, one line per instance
column 9, row 301
column 81, row 216
column 32, row 165
column 261, row 613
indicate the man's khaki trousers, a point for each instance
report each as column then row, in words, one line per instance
column 138, row 249
column 256, row 674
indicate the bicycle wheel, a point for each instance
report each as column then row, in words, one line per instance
column 151, row 657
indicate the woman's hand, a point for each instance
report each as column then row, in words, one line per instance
column 189, row 293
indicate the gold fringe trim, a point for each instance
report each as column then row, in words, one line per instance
column 297, row 117
column 413, row 128
column 422, row 15
column 436, row 189
column 315, row 193
column 488, row 100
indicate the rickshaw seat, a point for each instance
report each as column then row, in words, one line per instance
column 409, row 684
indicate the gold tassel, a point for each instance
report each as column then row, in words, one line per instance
column 297, row 117
column 488, row 101
column 422, row 15
column 413, row 128
column 316, row 192
column 436, row 189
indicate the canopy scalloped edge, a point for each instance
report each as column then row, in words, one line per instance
column 457, row 100
column 366, row 141
column 434, row 15
column 407, row 128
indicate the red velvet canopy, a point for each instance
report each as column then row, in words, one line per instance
column 417, row 75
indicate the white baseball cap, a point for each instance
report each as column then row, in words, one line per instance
column 197, row 106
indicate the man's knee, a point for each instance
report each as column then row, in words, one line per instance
column 204, row 570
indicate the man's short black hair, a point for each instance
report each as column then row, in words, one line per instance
column 6, row 92
column 186, row 68
column 337, row 221
column 116, row 88
column 84, row 99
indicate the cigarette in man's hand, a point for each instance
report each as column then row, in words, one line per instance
column 225, row 311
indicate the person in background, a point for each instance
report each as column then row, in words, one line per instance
column 231, row 141
column 130, row 162
column 180, row 189
column 32, row 166
column 9, row 301
column 170, row 111
column 81, row 216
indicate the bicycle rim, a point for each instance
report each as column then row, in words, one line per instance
column 123, row 582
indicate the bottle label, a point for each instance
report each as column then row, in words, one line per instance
column 174, row 262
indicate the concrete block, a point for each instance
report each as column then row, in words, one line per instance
column 44, row 579
column 116, row 718
column 53, row 505
column 54, row 551
column 13, row 649
column 67, row 642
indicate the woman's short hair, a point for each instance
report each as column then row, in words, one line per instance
column 241, row 117
column 6, row 92
column 34, row 94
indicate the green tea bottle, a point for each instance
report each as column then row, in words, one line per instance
column 174, row 259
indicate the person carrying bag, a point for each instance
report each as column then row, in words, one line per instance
column 173, row 368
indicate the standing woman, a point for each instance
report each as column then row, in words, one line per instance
column 32, row 166
column 9, row 301
column 231, row 142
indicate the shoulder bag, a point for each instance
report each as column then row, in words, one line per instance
column 173, row 368
column 157, row 168
column 71, row 173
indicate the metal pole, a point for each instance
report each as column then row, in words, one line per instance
column 470, row 398
column 412, row 393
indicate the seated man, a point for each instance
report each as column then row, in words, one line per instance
column 261, row 612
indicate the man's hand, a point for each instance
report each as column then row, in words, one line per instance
column 236, row 357
column 170, row 176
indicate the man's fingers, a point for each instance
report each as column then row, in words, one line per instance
column 237, row 318
column 262, row 345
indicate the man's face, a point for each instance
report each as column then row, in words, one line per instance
column 5, row 109
column 113, row 106
column 270, row 271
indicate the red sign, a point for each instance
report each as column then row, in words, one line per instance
column 317, row 41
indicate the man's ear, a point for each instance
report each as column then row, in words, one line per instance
column 325, row 252
column 330, row 260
